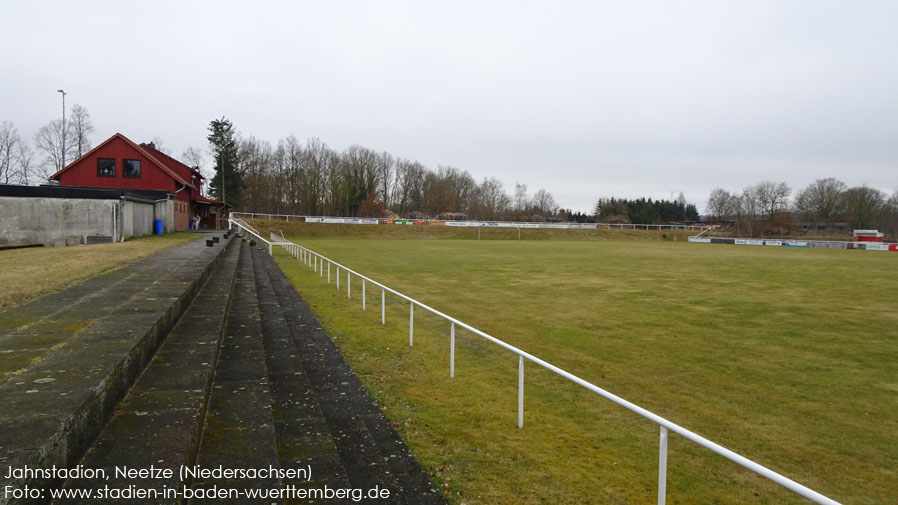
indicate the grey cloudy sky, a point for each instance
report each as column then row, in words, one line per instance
column 585, row 99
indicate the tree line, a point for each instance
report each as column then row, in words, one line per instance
column 645, row 211
column 826, row 205
column 311, row 178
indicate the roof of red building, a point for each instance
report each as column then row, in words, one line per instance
column 203, row 199
column 186, row 171
column 146, row 152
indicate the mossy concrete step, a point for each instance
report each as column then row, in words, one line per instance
column 159, row 423
column 324, row 416
column 70, row 357
column 304, row 439
column 239, row 429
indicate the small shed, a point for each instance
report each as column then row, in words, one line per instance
column 868, row 236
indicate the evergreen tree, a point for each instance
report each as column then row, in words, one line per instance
column 227, row 184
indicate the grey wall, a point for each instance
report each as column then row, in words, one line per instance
column 166, row 212
column 29, row 221
column 142, row 217
column 26, row 221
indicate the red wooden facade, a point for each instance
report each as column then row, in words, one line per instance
column 111, row 165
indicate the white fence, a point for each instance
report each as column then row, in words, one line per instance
column 317, row 262
column 485, row 224
column 812, row 244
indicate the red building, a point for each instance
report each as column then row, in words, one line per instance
column 121, row 164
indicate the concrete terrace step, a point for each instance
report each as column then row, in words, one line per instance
column 324, row 416
column 69, row 357
column 159, row 423
column 239, row 430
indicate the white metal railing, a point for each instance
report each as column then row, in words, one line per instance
column 317, row 262
column 473, row 223
column 252, row 231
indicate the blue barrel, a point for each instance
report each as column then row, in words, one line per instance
column 157, row 227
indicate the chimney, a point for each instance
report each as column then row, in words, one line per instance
column 152, row 146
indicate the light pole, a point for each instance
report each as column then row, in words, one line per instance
column 63, row 128
column 221, row 163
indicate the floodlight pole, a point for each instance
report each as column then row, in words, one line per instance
column 63, row 127
column 221, row 162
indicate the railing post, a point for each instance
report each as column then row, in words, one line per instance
column 452, row 352
column 383, row 306
column 520, row 391
column 270, row 253
column 320, row 267
column 315, row 264
column 348, row 284
column 328, row 272
column 363, row 294
column 338, row 278
column 411, row 323
column 662, row 467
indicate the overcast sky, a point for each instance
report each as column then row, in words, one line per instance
column 585, row 99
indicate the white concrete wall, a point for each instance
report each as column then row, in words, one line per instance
column 29, row 221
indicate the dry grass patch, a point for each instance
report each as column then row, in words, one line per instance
column 28, row 273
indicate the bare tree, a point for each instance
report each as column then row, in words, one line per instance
column 772, row 198
column 194, row 157
column 360, row 173
column 408, row 186
column 290, row 172
column 719, row 204
column 491, row 199
column 544, row 203
column 262, row 189
column 79, row 128
column 864, row 206
column 821, row 201
column 681, row 200
column 48, row 140
column 385, row 163
column 25, row 169
column 747, row 209
column 9, row 142
column 159, row 144
column 521, row 202
column 318, row 159
column 891, row 225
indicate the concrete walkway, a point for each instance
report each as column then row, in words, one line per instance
column 67, row 359
column 224, row 367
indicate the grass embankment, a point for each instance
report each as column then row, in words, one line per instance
column 783, row 355
column 432, row 232
column 31, row 272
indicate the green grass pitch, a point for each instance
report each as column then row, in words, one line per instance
column 786, row 356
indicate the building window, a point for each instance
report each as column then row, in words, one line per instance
column 105, row 167
column 131, row 168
